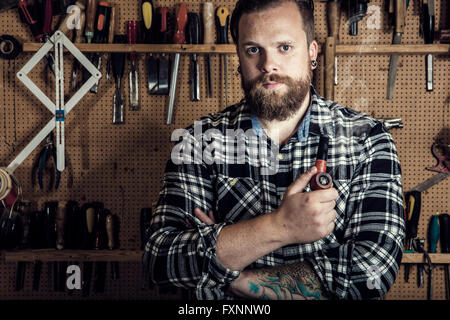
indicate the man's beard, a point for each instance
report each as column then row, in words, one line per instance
column 270, row 104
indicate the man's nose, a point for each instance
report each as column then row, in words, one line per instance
column 268, row 63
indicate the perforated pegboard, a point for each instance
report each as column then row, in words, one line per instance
column 122, row 165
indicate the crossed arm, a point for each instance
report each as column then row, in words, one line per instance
column 296, row 281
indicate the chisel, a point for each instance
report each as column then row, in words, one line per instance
column 163, row 60
column 193, row 36
column 112, row 25
column 100, row 34
column 444, row 224
column 91, row 8
column 111, row 227
column 78, row 39
column 118, row 63
column 208, row 38
column 428, row 21
column 152, row 64
column 132, row 36
column 400, row 14
column 178, row 38
column 222, row 20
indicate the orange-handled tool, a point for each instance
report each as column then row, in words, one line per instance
column 321, row 180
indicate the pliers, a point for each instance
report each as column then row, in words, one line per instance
column 40, row 164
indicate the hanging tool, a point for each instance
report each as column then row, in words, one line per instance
column 100, row 243
column 413, row 206
column 10, row 47
column 356, row 10
column 112, row 25
column 440, row 152
column 40, row 35
column 46, row 155
column 78, row 39
column 100, row 34
column 419, row 246
column 400, row 8
column 433, row 238
column 118, row 63
column 444, row 224
column 178, row 38
column 152, row 63
column 427, row 31
column 193, row 36
column 111, row 230
column 321, row 180
column 132, row 36
column 163, row 60
column 208, row 38
column 333, row 21
column 222, row 21
column 90, row 20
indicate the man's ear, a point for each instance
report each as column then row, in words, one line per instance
column 313, row 50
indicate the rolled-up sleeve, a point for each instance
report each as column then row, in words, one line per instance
column 364, row 265
column 181, row 248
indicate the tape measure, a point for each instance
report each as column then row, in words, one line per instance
column 10, row 47
column 8, row 188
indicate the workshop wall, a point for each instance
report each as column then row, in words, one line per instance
column 122, row 165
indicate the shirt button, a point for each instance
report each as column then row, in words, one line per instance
column 280, row 156
column 281, row 197
column 233, row 181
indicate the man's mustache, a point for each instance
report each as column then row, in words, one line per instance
column 273, row 78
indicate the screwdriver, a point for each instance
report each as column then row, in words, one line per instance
column 193, row 36
column 90, row 20
column 178, row 38
column 118, row 62
column 428, row 21
column 208, row 38
column 152, row 64
column 222, row 20
column 163, row 60
column 444, row 223
column 132, row 35
column 112, row 25
column 434, row 233
column 101, row 30
column 78, row 39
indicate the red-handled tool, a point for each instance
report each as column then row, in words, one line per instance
column 32, row 22
column 178, row 38
column 321, row 180
column 132, row 36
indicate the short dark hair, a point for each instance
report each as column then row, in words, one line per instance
column 306, row 8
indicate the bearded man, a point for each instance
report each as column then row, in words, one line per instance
column 228, row 229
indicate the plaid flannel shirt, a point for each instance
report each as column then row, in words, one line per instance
column 359, row 260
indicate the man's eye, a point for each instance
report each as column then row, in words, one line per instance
column 253, row 50
column 286, row 47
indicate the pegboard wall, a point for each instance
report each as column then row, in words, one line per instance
column 122, row 165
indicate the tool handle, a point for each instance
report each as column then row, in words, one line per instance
column 79, row 31
column 32, row 23
column 102, row 22
column 400, row 16
column 60, row 226
column 208, row 22
column 222, row 21
column 163, row 30
column 112, row 25
column 48, row 15
column 90, row 18
column 132, row 35
column 110, row 231
column 433, row 233
column 147, row 14
column 413, row 206
column 193, row 28
column 179, row 36
column 428, row 21
column 118, row 58
column 333, row 18
column 321, row 180
column 90, row 220
column 444, row 224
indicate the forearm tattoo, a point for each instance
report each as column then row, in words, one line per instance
column 289, row 282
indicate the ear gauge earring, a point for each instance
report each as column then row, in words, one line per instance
column 239, row 69
column 314, row 63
